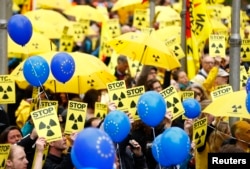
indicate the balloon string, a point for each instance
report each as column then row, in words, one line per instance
column 119, row 154
column 153, row 130
column 35, row 72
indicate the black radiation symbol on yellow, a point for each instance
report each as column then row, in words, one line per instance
column 48, row 127
column 75, row 120
column 243, row 80
column 3, row 163
column 91, row 82
column 35, row 45
column 217, row 48
column 140, row 20
column 175, row 101
column 137, row 67
column 236, row 108
column 119, row 42
column 176, row 48
column 101, row 116
column 156, row 58
column 113, row 30
column 5, row 96
column 132, row 104
column 244, row 52
column 198, row 136
column 66, row 45
column 122, row 96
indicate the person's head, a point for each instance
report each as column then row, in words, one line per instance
column 175, row 84
column 222, row 77
column 11, row 135
column 57, row 147
column 199, row 93
column 92, row 96
column 152, row 74
column 207, row 63
column 153, row 85
column 180, row 76
column 230, row 148
column 17, row 158
column 122, row 64
column 241, row 131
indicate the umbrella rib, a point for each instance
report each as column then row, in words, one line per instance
column 145, row 47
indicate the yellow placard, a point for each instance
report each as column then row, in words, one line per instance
column 105, row 50
column 199, row 132
column 85, row 25
column 135, row 67
column 174, row 46
column 187, row 94
column 77, row 31
column 7, row 89
column 174, row 104
column 4, row 154
column 76, row 117
column 47, row 124
column 66, row 43
column 46, row 103
column 245, row 50
column 112, row 27
column 45, row 153
column 243, row 77
column 221, row 92
column 133, row 97
column 141, row 18
column 101, row 110
column 217, row 45
column 221, row 86
column 118, row 94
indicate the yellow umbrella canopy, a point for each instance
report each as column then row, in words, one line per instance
column 53, row 4
column 229, row 105
column 90, row 72
column 85, row 12
column 129, row 4
column 166, row 13
column 168, row 32
column 37, row 44
column 147, row 49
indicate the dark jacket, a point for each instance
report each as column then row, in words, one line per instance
column 54, row 162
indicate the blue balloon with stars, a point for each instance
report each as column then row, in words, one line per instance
column 117, row 125
column 151, row 108
column 93, row 148
column 36, row 70
column 62, row 66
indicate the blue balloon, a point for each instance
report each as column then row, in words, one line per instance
column 248, row 102
column 192, row 108
column 158, row 152
column 19, row 28
column 62, row 67
column 248, row 85
column 36, row 70
column 74, row 159
column 151, row 108
column 175, row 145
column 117, row 125
column 93, row 148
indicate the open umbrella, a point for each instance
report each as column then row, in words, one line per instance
column 90, row 73
column 85, row 12
column 229, row 105
column 37, row 44
column 132, row 4
column 147, row 49
column 53, row 4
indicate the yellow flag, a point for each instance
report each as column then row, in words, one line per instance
column 7, row 89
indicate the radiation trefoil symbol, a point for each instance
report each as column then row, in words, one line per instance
column 50, row 132
column 122, row 96
column 75, row 120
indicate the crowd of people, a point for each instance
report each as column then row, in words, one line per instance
column 27, row 148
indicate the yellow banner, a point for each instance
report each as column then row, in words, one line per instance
column 76, row 117
column 217, row 45
column 7, row 89
column 47, row 124
column 221, row 92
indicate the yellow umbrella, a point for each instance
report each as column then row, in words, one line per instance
column 46, row 15
column 90, row 72
column 85, row 12
column 166, row 13
column 37, row 44
column 53, row 4
column 132, row 4
column 168, row 32
column 147, row 49
column 229, row 105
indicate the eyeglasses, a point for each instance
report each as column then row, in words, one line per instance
column 211, row 63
